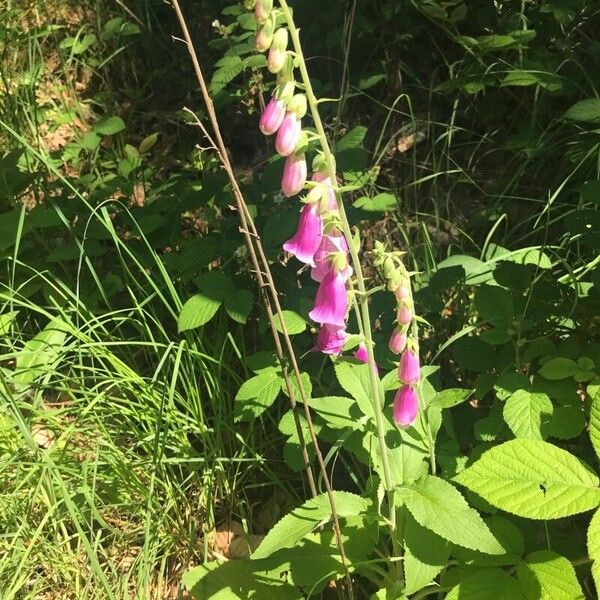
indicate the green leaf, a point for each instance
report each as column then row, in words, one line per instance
column 593, row 546
column 450, row 397
column 236, row 580
column 337, row 412
column 533, row 479
column 352, row 139
column 585, row 110
column 355, row 380
column 306, row 386
column 520, row 79
column 221, row 77
column 197, row 311
column 528, row 414
column 567, row 422
column 545, row 575
column 383, row 202
column 148, row 143
column 109, row 126
column 494, row 304
column 294, row 323
column 295, row 525
column 558, row 368
column 257, row 394
column 41, row 353
column 239, row 305
column 489, row 584
column 425, row 555
column 5, row 321
column 440, row 507
column 594, row 394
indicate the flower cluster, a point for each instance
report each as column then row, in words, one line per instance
column 318, row 241
column 406, row 402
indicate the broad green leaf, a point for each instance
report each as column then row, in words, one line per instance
column 440, row 507
column 257, row 394
column 294, row 323
column 585, row 110
column 558, row 368
column 355, row 379
column 41, row 353
column 338, row 412
column 533, row 479
column 593, row 546
column 450, row 397
column 520, row 78
column 528, row 414
column 239, row 304
column 494, row 304
column 508, row 383
column 489, row 584
column 109, row 126
column 425, row 555
column 383, row 202
column 306, row 386
column 545, row 575
column 352, row 139
column 567, row 422
column 5, row 321
column 594, row 394
column 236, row 580
column 197, row 311
column 148, row 143
column 302, row 520
column 221, row 77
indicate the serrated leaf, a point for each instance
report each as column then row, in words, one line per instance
column 239, row 305
column 545, row 575
column 221, row 77
column 355, row 379
column 294, row 323
column 533, row 479
column 528, row 414
column 383, row 202
column 302, row 520
column 489, row 584
column 197, row 311
column 425, row 555
column 594, row 394
column 338, row 412
column 585, row 110
column 558, row 368
column 257, row 394
column 593, row 546
column 450, row 397
column 440, row 507
column 567, row 422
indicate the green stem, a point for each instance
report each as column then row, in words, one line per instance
column 362, row 298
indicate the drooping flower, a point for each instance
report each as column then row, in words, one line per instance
column 404, row 315
column 406, row 406
column 294, row 174
column 277, row 53
column 330, row 243
column 397, row 341
column 409, row 370
column 272, row 116
column 331, row 302
column 308, row 236
column 288, row 134
column 362, row 355
column 331, row 339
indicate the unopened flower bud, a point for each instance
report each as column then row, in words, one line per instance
column 409, row 370
column 404, row 315
column 298, row 105
column 403, row 292
column 397, row 341
column 388, row 267
column 264, row 36
column 319, row 163
column 278, row 53
column 262, row 10
column 286, row 73
column 288, row 134
column 272, row 116
column 294, row 175
column 406, row 406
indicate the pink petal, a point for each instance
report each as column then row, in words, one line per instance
column 272, row 116
column 409, row 370
column 288, row 134
column 331, row 339
column 308, row 237
column 331, row 302
column 294, row 175
column 406, row 406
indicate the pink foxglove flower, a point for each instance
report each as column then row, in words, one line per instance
column 403, row 293
column 397, row 341
column 307, row 238
column 272, row 116
column 331, row 339
column 409, row 370
column 404, row 315
column 294, row 175
column 406, row 406
column 331, row 302
column 362, row 355
column 332, row 242
column 264, row 37
column 288, row 134
column 315, row 193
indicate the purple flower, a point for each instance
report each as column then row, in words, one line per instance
column 331, row 339
column 331, row 302
column 397, row 341
column 406, row 406
column 409, row 370
column 294, row 175
column 362, row 355
column 272, row 116
column 288, row 134
column 308, row 237
column 332, row 242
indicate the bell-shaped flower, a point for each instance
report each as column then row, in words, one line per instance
column 307, row 238
column 409, row 370
column 397, row 341
column 406, row 406
column 404, row 315
column 362, row 355
column 288, row 134
column 331, row 339
column 294, row 175
column 331, row 302
column 272, row 116
column 330, row 243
